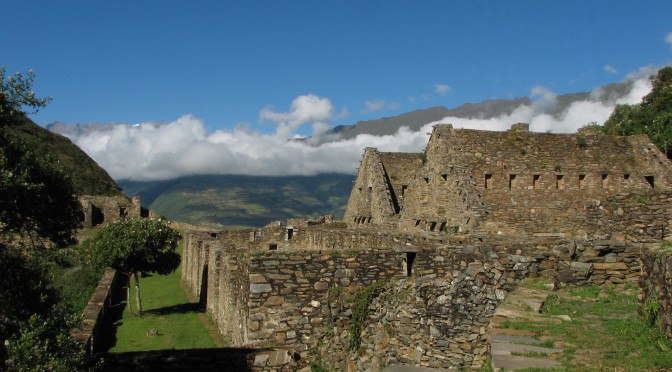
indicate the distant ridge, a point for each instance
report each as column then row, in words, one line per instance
column 487, row 109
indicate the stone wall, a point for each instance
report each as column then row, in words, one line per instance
column 655, row 301
column 515, row 183
column 95, row 312
column 100, row 209
column 282, row 297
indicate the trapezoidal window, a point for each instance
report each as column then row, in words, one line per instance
column 535, row 181
column 512, row 181
column 649, row 180
column 403, row 190
column 290, row 233
column 582, row 181
column 445, row 177
column 410, row 259
column 432, row 226
column 626, row 177
column 488, row 181
column 560, row 182
column 605, row 183
column 272, row 247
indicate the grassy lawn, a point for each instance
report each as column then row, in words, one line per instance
column 605, row 332
column 180, row 323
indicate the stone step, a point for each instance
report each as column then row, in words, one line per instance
column 512, row 363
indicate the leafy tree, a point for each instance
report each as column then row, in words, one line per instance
column 45, row 344
column 653, row 116
column 37, row 209
column 16, row 94
column 135, row 246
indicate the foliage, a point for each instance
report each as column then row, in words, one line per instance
column 38, row 209
column 44, row 344
column 16, row 94
column 360, row 310
column 36, row 197
column 653, row 116
column 135, row 246
column 23, row 291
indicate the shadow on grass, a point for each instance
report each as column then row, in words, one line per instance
column 188, row 307
column 216, row 359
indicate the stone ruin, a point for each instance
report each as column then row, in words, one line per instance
column 99, row 209
column 461, row 223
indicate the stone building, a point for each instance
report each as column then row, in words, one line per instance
column 506, row 183
column 99, row 209
column 472, row 215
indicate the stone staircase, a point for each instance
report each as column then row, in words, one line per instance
column 517, row 349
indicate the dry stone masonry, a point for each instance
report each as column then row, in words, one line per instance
column 447, row 234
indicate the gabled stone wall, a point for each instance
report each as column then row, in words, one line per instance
column 514, row 183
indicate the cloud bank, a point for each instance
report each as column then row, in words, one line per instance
column 151, row 151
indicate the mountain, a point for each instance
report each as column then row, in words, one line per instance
column 483, row 110
column 88, row 178
column 231, row 201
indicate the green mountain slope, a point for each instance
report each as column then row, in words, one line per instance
column 87, row 176
column 250, row 201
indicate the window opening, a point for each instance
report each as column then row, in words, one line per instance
column 512, row 179
column 649, row 179
column 403, row 190
column 410, row 259
column 582, row 181
column 432, row 226
column 604, row 180
column 560, row 182
column 535, row 181
column 445, row 177
column 488, row 181
column 290, row 233
column 272, row 247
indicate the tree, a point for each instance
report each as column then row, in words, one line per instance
column 653, row 116
column 135, row 246
column 16, row 94
column 38, row 209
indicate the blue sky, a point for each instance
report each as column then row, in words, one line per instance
column 225, row 62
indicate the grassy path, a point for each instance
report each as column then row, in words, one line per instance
column 180, row 323
column 598, row 328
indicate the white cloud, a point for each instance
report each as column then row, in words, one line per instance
column 610, row 70
column 668, row 38
column 441, row 89
column 379, row 105
column 304, row 109
column 373, row 106
column 151, row 151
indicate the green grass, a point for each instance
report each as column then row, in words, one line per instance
column 605, row 332
column 168, row 310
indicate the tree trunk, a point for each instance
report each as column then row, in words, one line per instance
column 128, row 296
column 137, row 293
